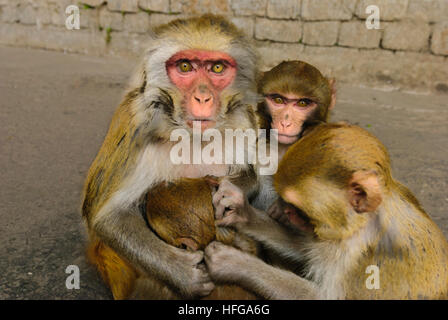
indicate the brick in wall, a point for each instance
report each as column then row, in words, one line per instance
column 355, row 34
column 428, row 10
column 10, row 13
column 321, row 33
column 136, row 22
column 27, row 15
column 286, row 9
column 328, row 9
column 406, row 35
column 249, row 7
column 389, row 10
column 278, row 30
column 246, row 24
column 108, row 19
column 439, row 40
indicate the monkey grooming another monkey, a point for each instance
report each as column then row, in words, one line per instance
column 350, row 217
column 196, row 72
column 295, row 96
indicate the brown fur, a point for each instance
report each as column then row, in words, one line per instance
column 337, row 182
column 115, row 271
column 409, row 249
column 182, row 214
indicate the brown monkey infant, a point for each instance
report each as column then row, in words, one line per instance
column 182, row 214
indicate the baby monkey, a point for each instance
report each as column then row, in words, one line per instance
column 360, row 233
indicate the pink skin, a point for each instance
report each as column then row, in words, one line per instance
column 201, row 86
column 289, row 117
column 296, row 219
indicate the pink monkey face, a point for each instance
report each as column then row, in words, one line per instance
column 201, row 76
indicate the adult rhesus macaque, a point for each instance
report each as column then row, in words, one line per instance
column 350, row 218
column 195, row 71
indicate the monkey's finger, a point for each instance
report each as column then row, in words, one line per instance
column 217, row 197
column 221, row 222
column 197, row 257
column 207, row 288
column 219, row 211
column 229, row 221
column 274, row 212
column 201, row 266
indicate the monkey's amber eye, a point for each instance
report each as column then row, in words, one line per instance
column 278, row 100
column 185, row 66
column 218, row 68
column 304, row 103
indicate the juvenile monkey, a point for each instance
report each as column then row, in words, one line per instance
column 195, row 72
column 295, row 96
column 349, row 215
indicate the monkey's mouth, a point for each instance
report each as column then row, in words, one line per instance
column 287, row 139
column 203, row 123
column 300, row 220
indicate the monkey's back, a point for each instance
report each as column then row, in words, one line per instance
column 182, row 214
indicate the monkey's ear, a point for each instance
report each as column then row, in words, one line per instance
column 364, row 191
column 213, row 182
column 332, row 84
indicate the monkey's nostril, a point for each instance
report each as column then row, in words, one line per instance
column 202, row 100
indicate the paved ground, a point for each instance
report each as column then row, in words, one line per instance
column 55, row 109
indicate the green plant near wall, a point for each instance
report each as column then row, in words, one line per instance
column 108, row 35
column 85, row 6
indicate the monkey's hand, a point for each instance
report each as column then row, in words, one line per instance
column 231, row 205
column 276, row 212
column 224, row 262
column 194, row 280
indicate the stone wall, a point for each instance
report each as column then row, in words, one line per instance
column 409, row 51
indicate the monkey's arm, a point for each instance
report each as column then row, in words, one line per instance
column 127, row 233
column 227, row 264
column 245, row 179
column 112, row 192
column 232, row 209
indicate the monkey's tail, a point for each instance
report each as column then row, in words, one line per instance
column 116, row 272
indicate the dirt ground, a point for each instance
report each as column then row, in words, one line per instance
column 55, row 109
